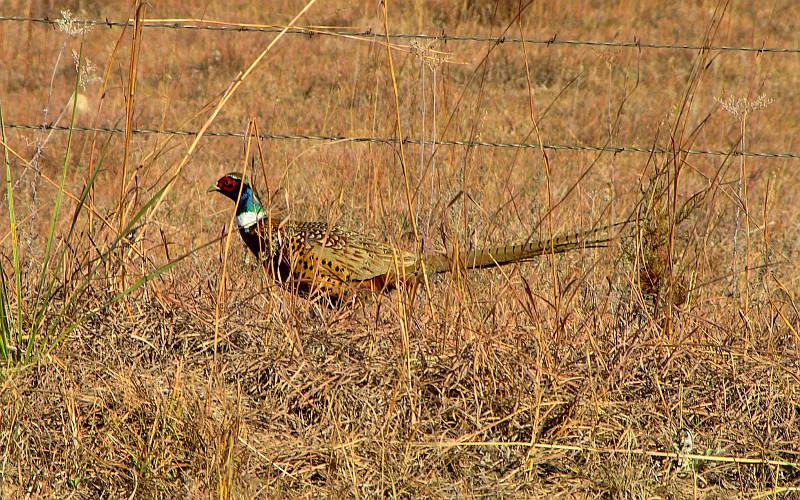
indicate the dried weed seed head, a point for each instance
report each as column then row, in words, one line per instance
column 72, row 26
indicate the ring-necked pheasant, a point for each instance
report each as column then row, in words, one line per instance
column 314, row 257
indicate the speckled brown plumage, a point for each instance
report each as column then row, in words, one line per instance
column 312, row 257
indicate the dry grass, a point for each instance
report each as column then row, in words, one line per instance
column 576, row 376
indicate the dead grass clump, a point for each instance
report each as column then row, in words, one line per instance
column 663, row 256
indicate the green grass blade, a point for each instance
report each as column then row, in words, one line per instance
column 87, row 189
column 14, row 241
column 40, row 306
column 5, row 325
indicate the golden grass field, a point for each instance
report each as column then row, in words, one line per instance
column 575, row 375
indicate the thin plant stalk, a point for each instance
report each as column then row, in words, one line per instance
column 743, row 205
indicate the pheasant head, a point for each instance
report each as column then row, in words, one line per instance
column 248, row 207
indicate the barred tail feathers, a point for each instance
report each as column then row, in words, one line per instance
column 522, row 252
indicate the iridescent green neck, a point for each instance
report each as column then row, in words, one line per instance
column 249, row 209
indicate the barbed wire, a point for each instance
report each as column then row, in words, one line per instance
column 370, row 34
column 391, row 140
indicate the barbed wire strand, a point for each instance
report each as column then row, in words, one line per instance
column 390, row 140
column 369, row 33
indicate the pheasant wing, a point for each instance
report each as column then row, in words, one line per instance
column 349, row 256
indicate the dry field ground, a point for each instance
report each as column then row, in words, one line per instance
column 143, row 356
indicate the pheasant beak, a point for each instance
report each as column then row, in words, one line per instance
column 213, row 189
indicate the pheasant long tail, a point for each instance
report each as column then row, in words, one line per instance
column 521, row 252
